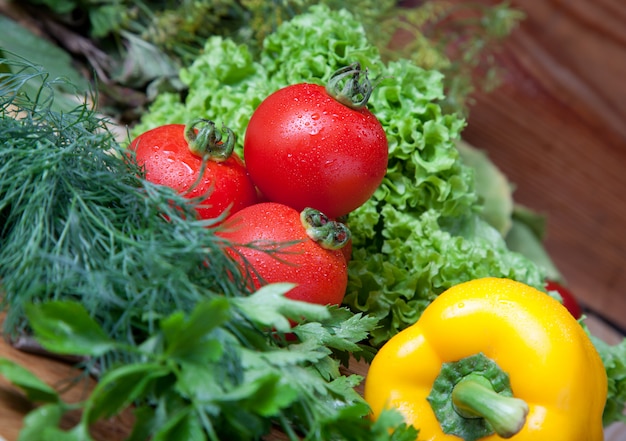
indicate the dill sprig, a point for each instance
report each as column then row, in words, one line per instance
column 78, row 222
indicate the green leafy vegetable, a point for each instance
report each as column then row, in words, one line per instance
column 16, row 41
column 78, row 222
column 522, row 239
column 97, row 262
column 35, row 389
column 269, row 308
column 42, row 423
column 492, row 186
column 614, row 360
column 82, row 336
column 421, row 232
column 212, row 374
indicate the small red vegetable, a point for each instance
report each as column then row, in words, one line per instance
column 306, row 250
column 569, row 300
column 310, row 146
column 346, row 250
column 176, row 155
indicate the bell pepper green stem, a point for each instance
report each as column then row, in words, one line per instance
column 469, row 398
column 474, row 397
column 329, row 234
column 207, row 140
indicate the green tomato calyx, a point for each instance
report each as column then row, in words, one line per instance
column 329, row 234
column 206, row 141
column 350, row 86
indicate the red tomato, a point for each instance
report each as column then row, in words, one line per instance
column 320, row 274
column 569, row 301
column 167, row 154
column 304, row 148
column 346, row 250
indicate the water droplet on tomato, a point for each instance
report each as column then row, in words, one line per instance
column 315, row 116
column 187, row 166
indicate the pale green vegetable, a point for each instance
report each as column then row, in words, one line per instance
column 492, row 186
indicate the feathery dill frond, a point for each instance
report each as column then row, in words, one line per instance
column 78, row 221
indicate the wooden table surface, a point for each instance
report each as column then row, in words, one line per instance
column 557, row 128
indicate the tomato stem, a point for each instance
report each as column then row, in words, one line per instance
column 207, row 140
column 350, row 86
column 329, row 234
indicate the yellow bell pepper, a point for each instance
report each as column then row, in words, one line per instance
column 492, row 359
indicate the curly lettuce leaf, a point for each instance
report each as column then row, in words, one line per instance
column 614, row 360
column 419, row 234
column 419, row 259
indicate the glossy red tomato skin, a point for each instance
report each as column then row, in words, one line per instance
column 165, row 155
column 569, row 300
column 320, row 274
column 305, row 149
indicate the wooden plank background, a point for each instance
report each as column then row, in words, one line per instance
column 557, row 128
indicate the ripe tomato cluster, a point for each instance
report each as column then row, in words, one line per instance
column 312, row 154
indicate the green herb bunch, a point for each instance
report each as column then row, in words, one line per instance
column 98, row 263
column 80, row 223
